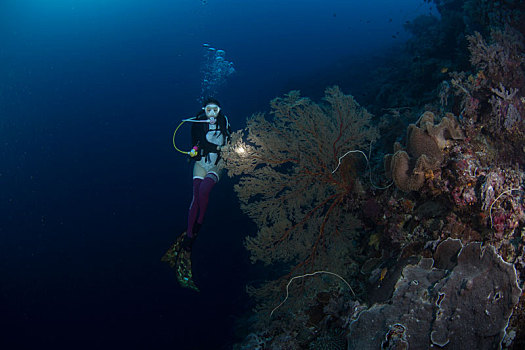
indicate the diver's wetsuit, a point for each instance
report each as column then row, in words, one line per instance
column 207, row 168
column 206, row 173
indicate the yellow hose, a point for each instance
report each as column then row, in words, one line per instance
column 175, row 133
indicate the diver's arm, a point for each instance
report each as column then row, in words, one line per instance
column 196, row 134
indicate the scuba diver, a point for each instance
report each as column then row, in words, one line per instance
column 210, row 132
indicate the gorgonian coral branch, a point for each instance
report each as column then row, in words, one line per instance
column 287, row 181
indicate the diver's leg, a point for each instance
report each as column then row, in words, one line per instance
column 198, row 175
column 185, row 240
column 194, row 206
column 204, row 193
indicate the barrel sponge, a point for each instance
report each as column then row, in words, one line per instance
column 419, row 143
column 424, row 152
column 406, row 177
column 447, row 129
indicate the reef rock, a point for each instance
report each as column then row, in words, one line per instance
column 463, row 298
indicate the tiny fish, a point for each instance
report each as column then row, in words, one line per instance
column 383, row 274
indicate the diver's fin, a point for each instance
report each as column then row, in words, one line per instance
column 183, row 269
column 172, row 254
column 180, row 259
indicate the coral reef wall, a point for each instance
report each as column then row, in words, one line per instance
column 461, row 298
column 437, row 259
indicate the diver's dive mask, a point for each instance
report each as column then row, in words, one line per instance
column 212, row 111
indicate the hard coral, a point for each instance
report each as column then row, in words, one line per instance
column 478, row 298
column 328, row 342
column 502, row 199
column 491, row 101
column 462, row 298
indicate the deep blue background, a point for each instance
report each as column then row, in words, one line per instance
column 92, row 192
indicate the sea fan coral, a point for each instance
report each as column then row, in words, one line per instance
column 296, row 183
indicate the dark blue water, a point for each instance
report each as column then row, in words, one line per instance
column 92, row 192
